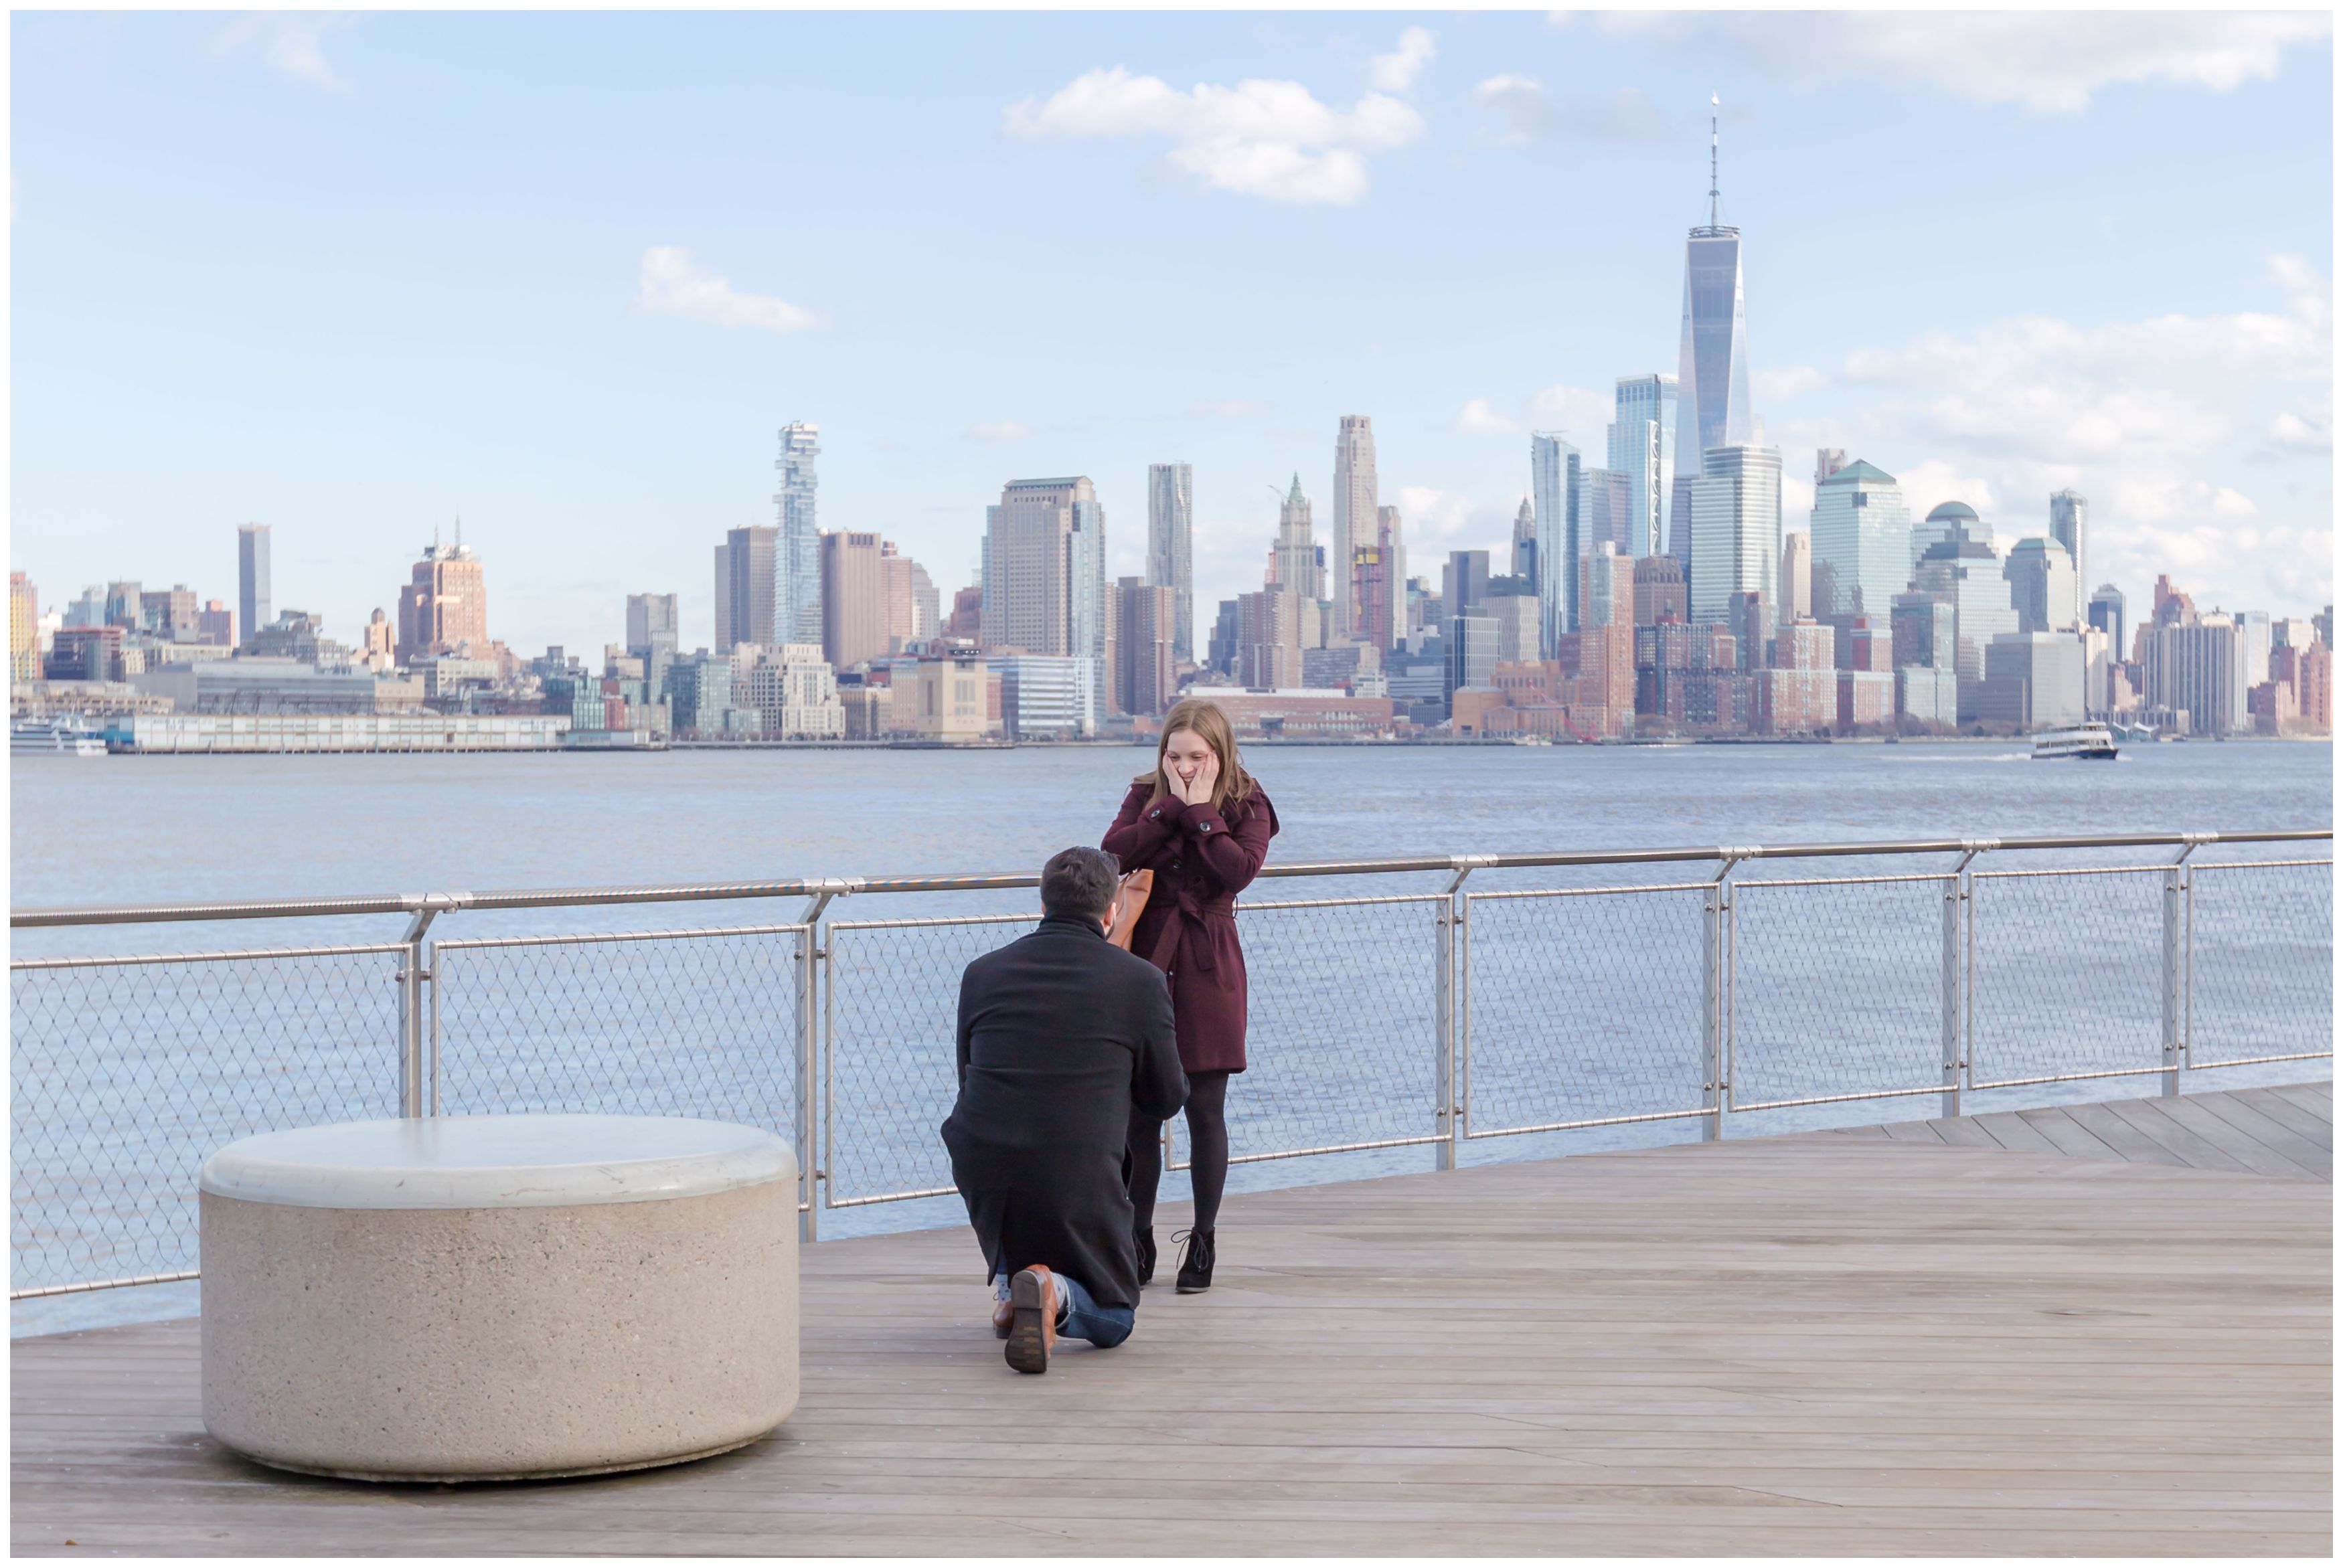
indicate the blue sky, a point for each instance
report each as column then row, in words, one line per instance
column 565, row 275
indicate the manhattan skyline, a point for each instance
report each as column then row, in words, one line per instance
column 1972, row 272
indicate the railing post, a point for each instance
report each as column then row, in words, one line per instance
column 814, row 989
column 1453, row 1024
column 1716, row 996
column 414, row 973
column 1960, row 894
column 2178, row 897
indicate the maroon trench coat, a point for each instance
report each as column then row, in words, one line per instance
column 1202, row 860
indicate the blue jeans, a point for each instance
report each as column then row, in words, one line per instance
column 1081, row 1317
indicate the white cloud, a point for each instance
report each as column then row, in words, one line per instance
column 1577, row 412
column 999, row 430
column 1259, row 138
column 1396, row 72
column 2050, row 62
column 2186, row 432
column 1478, row 418
column 1231, row 409
column 1782, row 386
column 2048, row 391
column 2311, row 430
column 1434, row 521
column 290, row 43
column 1525, row 112
column 671, row 284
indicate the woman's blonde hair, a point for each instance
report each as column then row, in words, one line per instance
column 1211, row 725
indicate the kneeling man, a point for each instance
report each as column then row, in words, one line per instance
column 1063, row 1036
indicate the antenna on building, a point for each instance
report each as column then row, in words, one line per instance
column 1711, row 160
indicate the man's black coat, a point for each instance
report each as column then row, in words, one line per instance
column 1062, row 1035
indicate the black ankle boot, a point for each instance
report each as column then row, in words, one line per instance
column 1143, row 1237
column 1196, row 1263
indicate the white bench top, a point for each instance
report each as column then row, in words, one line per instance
column 497, row 1162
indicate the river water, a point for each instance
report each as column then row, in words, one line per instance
column 1838, row 985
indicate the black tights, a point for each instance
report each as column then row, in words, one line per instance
column 1208, row 1151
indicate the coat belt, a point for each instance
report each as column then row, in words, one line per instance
column 1189, row 914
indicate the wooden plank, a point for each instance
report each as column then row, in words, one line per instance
column 1913, row 1132
column 1701, row 1349
column 2318, row 1099
column 2121, row 1136
column 1963, row 1133
column 2071, row 1137
column 2010, row 1131
column 2313, row 1129
column 2243, row 1147
column 2181, row 1139
column 2271, row 1134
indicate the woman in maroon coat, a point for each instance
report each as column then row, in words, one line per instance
column 1202, row 824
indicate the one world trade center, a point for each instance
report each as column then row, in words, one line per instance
column 1712, row 366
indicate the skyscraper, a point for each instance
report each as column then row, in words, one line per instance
column 2106, row 612
column 1354, row 509
column 855, row 623
column 24, row 629
column 1963, row 569
column 1170, row 527
column 745, row 581
column 2069, row 517
column 1862, row 543
column 1143, row 658
column 1712, row 366
column 1294, row 563
column 797, row 552
column 1269, row 638
column 1642, row 446
column 1797, row 577
column 445, row 605
column 1464, row 582
column 2041, row 585
column 252, row 580
column 1045, row 572
column 1940, row 524
column 651, row 634
column 1389, row 539
column 1736, row 515
column 1526, row 554
column 1557, row 489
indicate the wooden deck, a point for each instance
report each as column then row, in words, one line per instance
column 1934, row 1338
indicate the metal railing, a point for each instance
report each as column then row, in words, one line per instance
column 1646, row 986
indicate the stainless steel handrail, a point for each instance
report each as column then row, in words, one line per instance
column 820, row 886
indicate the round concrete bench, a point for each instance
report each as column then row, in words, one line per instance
column 478, row 1297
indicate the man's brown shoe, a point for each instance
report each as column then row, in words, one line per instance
column 1033, row 1326
column 1004, row 1318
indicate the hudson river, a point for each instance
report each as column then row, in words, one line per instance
column 1581, row 1008
column 144, row 829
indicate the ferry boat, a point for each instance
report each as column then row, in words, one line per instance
column 54, row 738
column 2089, row 742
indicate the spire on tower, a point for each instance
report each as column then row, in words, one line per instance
column 1712, row 161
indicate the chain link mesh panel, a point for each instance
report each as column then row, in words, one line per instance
column 2261, row 962
column 892, row 1014
column 1343, row 1039
column 2069, row 974
column 1837, row 988
column 125, row 1077
column 1585, row 1007
column 700, row 1023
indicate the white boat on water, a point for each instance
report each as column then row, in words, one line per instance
column 55, row 738
column 2089, row 742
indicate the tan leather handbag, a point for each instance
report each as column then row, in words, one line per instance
column 1130, row 903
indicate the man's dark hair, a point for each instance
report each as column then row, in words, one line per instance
column 1080, row 882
